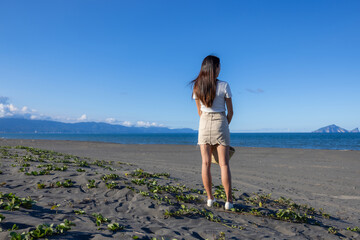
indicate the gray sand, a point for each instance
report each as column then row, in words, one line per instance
column 325, row 179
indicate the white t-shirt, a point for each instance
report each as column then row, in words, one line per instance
column 222, row 91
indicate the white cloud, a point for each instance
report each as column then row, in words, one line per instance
column 82, row 118
column 148, row 124
column 118, row 122
column 9, row 110
column 110, row 120
column 259, row 90
column 130, row 124
column 127, row 123
column 12, row 108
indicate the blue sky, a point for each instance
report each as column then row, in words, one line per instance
column 291, row 65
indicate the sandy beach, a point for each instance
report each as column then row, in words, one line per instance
column 320, row 189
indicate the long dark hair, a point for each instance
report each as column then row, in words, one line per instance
column 204, row 86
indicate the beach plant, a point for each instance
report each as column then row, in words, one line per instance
column 259, row 199
column 65, row 226
column 181, row 212
column 80, row 170
column 139, row 181
column 255, row 212
column 52, row 167
column 14, row 227
column 284, row 201
column 178, row 191
column 99, row 163
column 310, row 210
column 2, row 217
column 4, row 152
column 41, row 185
column 28, row 158
column 355, row 229
column 160, row 199
column 11, row 202
column 43, row 231
column 307, row 210
column 18, row 236
column 91, row 184
column 144, row 193
column 324, row 214
column 140, row 173
column 103, row 163
column 125, row 163
column 291, row 215
column 219, row 193
column 333, row 230
column 115, row 227
column 35, row 173
column 110, row 176
column 39, row 152
column 83, row 164
column 65, row 161
column 1, row 172
column 185, row 211
column 67, row 183
column 221, row 236
column 289, row 203
column 79, row 212
column 55, row 207
column 234, row 226
column 111, row 185
column 187, row 198
column 99, row 219
column 154, row 238
column 63, row 168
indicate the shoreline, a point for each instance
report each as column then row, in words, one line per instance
column 325, row 179
column 165, row 144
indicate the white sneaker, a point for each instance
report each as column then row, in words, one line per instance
column 228, row 205
column 210, row 202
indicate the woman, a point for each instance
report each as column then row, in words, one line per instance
column 211, row 95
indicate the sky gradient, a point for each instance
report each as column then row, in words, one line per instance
column 291, row 65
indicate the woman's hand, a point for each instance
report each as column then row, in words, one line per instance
column 229, row 107
column 198, row 105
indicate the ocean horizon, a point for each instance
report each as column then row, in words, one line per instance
column 331, row 141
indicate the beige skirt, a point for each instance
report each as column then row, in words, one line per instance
column 214, row 129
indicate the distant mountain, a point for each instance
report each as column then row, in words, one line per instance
column 18, row 125
column 334, row 129
column 355, row 130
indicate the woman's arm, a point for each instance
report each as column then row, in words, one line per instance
column 229, row 107
column 198, row 105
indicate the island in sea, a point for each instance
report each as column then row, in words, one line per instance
column 335, row 129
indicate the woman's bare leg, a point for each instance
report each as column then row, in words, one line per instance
column 205, row 170
column 223, row 153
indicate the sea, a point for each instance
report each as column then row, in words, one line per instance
column 334, row 141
